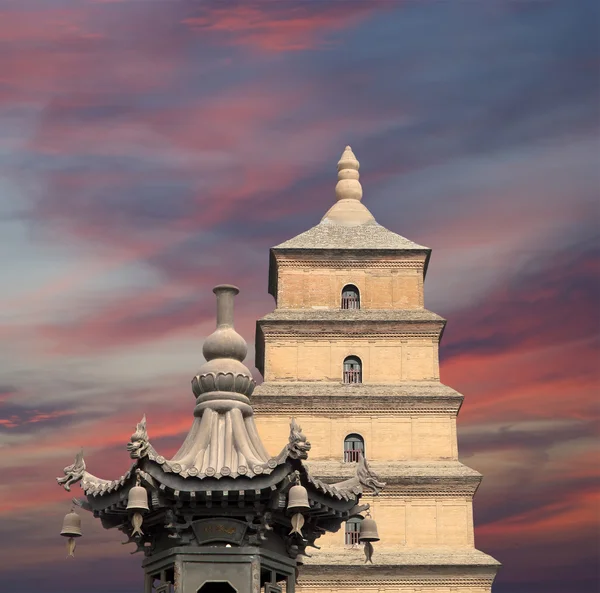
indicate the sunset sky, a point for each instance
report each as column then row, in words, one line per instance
column 150, row 149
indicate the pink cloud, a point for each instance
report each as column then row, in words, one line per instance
column 33, row 417
column 268, row 28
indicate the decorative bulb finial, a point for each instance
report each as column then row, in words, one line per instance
column 224, row 351
column 348, row 186
column 225, row 342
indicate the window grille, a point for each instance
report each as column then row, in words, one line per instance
column 352, row 370
column 352, row 532
column 354, row 446
column 350, row 297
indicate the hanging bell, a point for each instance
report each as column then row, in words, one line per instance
column 71, row 528
column 368, row 531
column 298, row 499
column 71, row 525
column 137, row 499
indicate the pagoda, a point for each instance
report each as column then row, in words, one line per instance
column 222, row 515
column 352, row 352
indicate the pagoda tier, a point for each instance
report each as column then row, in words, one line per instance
column 352, row 351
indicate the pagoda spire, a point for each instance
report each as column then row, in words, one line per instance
column 348, row 186
column 348, row 211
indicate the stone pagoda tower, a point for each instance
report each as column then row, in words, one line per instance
column 351, row 351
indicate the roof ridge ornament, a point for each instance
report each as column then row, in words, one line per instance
column 73, row 473
column 139, row 443
column 348, row 186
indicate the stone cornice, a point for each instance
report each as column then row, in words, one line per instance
column 316, row 254
column 402, row 562
column 366, row 582
column 369, row 405
column 353, row 328
column 317, row 397
column 413, row 471
column 408, row 479
column 383, row 318
column 305, row 263
column 334, row 388
column 305, row 334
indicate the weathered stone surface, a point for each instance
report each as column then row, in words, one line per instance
column 337, row 316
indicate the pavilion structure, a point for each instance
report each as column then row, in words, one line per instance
column 222, row 515
column 352, row 352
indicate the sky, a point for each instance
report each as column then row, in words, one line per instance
column 151, row 149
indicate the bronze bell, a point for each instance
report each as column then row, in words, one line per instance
column 368, row 531
column 71, row 525
column 137, row 499
column 298, row 499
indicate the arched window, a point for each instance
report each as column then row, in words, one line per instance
column 350, row 297
column 352, row 531
column 352, row 370
column 354, row 445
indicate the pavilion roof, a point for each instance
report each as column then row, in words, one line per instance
column 223, row 451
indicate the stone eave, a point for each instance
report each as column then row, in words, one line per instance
column 408, row 478
column 403, row 557
column 400, row 567
column 336, row 316
column 335, row 388
column 296, row 398
column 352, row 328
column 219, row 491
column 299, row 405
column 321, row 254
column 181, row 485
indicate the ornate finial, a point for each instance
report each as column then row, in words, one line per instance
column 348, row 186
column 224, row 351
column 225, row 342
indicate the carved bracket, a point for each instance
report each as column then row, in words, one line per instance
column 260, row 528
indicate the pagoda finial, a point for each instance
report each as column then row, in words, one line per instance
column 224, row 351
column 348, row 186
column 225, row 342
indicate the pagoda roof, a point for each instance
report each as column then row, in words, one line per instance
column 141, row 448
column 223, row 451
column 368, row 236
column 348, row 224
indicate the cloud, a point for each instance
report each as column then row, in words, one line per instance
column 281, row 27
column 523, row 313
